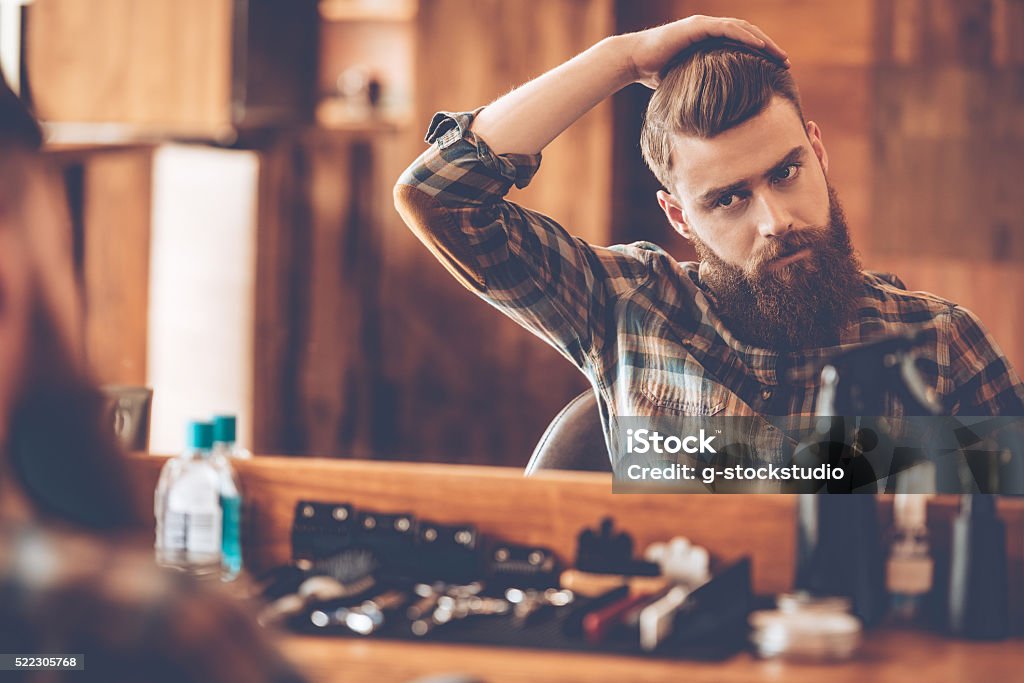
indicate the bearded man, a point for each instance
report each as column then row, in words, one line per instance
column 778, row 286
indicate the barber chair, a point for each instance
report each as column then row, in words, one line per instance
column 573, row 441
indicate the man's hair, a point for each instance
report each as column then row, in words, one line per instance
column 18, row 128
column 706, row 90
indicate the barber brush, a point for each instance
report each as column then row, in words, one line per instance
column 343, row 575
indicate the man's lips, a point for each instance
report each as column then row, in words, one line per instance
column 783, row 261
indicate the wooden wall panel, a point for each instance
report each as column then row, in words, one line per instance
column 109, row 195
column 159, row 63
column 316, row 348
column 459, row 381
column 117, row 213
column 949, row 144
column 1007, row 40
column 836, row 32
column 342, row 360
column 502, row 45
column 948, row 139
column 282, row 245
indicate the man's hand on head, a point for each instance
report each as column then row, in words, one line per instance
column 651, row 50
column 525, row 120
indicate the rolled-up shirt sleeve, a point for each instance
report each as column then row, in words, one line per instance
column 520, row 261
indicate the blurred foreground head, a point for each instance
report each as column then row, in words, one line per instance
column 53, row 445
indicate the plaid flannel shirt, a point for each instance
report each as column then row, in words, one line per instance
column 639, row 323
column 66, row 593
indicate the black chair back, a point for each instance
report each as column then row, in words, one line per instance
column 573, row 441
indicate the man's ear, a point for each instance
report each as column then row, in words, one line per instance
column 674, row 212
column 814, row 135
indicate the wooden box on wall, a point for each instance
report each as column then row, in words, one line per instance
column 194, row 68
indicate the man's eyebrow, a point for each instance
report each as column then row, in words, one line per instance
column 712, row 195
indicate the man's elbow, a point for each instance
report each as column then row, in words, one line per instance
column 417, row 208
column 428, row 219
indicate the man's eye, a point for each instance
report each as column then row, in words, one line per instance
column 787, row 172
column 725, row 201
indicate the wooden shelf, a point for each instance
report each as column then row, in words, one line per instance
column 368, row 10
column 332, row 114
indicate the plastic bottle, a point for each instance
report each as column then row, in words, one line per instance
column 224, row 438
column 979, row 575
column 225, row 450
column 188, row 510
column 910, row 570
column 839, row 551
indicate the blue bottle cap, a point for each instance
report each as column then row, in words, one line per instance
column 224, row 428
column 200, row 435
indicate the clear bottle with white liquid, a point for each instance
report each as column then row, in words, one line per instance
column 189, row 517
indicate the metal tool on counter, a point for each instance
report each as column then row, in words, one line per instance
column 428, row 595
column 458, row 603
column 343, row 575
column 364, row 618
column 313, row 590
column 531, row 605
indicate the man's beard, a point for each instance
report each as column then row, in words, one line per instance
column 802, row 305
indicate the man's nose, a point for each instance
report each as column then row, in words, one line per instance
column 773, row 219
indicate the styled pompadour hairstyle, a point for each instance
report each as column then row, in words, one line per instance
column 707, row 89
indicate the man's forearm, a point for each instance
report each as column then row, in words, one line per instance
column 525, row 120
column 528, row 118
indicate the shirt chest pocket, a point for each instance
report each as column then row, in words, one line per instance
column 686, row 391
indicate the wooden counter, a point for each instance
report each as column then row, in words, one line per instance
column 550, row 509
column 887, row 656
